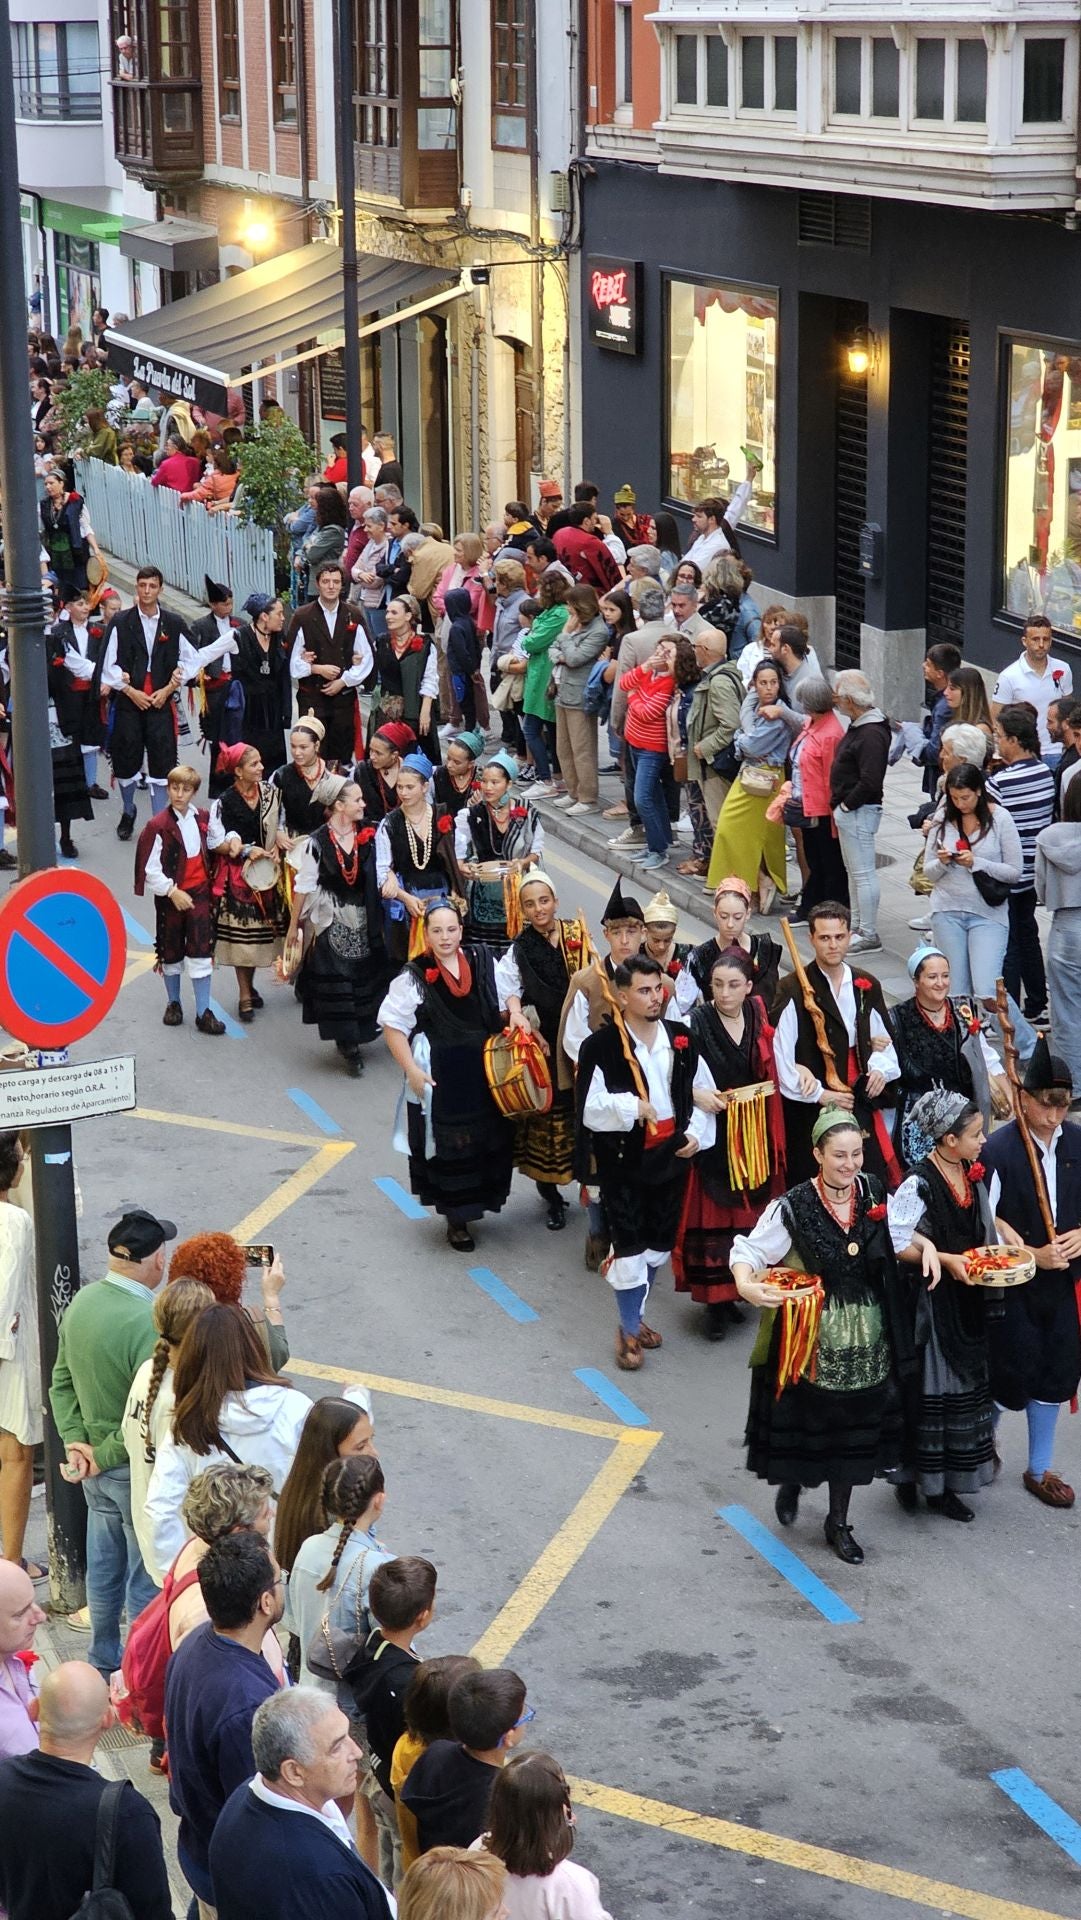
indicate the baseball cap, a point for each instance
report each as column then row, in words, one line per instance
column 137, row 1234
column 550, row 490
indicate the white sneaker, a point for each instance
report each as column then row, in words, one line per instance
column 630, row 837
column 543, row 790
column 684, row 829
column 581, row 806
column 921, row 924
column 566, row 801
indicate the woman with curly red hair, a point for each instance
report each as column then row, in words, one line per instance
column 219, row 1262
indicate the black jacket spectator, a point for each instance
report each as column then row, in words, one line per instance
column 859, row 765
column 48, row 1820
column 283, row 1865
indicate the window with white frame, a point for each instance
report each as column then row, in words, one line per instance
column 1044, row 73
column 948, row 80
column 756, row 74
column 933, row 80
column 866, row 77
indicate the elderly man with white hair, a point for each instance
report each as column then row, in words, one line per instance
column 357, row 502
column 281, row 1848
column 643, row 563
column 857, row 782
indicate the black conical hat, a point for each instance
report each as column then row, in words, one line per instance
column 621, row 906
column 215, row 592
column 1046, row 1071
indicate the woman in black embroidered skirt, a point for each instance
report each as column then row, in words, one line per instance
column 735, row 1041
column 261, row 667
column 436, row 1017
column 940, row 1043
column 942, row 1206
column 532, row 978
column 343, row 974
column 847, row 1424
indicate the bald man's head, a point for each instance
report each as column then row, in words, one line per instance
column 73, row 1703
column 20, row 1615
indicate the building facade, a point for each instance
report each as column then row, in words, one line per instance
column 847, row 236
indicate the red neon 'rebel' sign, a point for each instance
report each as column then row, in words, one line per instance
column 614, row 304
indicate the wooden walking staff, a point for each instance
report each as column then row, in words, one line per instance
column 1009, row 1051
column 830, row 1074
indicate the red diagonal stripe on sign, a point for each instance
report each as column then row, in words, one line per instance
column 63, row 962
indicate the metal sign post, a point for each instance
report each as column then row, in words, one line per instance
column 56, row 1236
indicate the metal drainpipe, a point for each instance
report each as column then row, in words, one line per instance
column 474, row 413
column 536, row 266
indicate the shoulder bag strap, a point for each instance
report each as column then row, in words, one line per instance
column 105, row 1834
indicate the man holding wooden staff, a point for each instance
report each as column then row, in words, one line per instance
column 833, row 1046
column 1034, row 1187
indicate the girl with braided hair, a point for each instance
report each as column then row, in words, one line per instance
column 149, row 1409
column 332, row 1569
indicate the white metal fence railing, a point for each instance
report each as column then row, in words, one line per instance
column 141, row 524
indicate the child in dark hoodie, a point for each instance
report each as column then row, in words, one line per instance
column 401, row 1598
column 449, row 1787
column 463, row 652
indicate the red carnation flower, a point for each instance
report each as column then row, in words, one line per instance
column 674, row 969
column 28, row 1657
column 976, row 1172
column 679, row 1041
column 431, row 974
column 518, row 813
column 366, row 835
column 974, row 1026
column 878, row 1212
column 445, row 823
column 861, row 981
column 1057, row 678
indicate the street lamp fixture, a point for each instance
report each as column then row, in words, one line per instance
column 862, row 351
column 257, row 233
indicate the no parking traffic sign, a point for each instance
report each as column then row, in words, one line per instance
column 62, row 953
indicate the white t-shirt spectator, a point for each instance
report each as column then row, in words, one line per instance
column 1020, row 682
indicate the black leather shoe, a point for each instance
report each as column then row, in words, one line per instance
column 460, row 1238
column 257, row 1000
column 97, row 793
column 907, row 1495
column 716, row 1320
column 68, row 848
column 844, row 1545
column 556, row 1218
column 949, row 1506
column 786, row 1505
column 125, row 826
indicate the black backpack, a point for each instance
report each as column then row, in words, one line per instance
column 104, row 1902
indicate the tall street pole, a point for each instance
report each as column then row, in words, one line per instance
column 347, row 231
column 56, row 1233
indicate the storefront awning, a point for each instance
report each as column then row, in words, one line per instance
column 198, row 348
column 179, row 246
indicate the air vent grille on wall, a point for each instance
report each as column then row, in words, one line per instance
column 834, row 220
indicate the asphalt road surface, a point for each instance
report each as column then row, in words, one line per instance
column 736, row 1747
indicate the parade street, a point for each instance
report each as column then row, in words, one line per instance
column 858, row 1742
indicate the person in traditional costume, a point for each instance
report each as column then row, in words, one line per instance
column 172, row 858
column 830, row 1371
column 220, row 697
column 305, row 785
column 330, row 658
column 82, row 638
column 1036, row 1345
column 856, row 1029
column 249, row 917
column 436, row 1017
column 735, row 1178
column 415, row 859
column 672, row 955
column 590, row 996
column 940, row 1042
column 731, row 916
column 342, row 975
column 456, row 784
column 407, row 663
column 377, row 776
column 532, row 980
column 939, row 1214
column 71, row 797
column 639, row 1080
column 496, row 840
column 261, row 668
column 146, row 657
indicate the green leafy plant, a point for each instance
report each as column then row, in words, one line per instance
column 73, row 401
column 275, row 463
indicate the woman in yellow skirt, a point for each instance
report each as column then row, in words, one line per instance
column 746, row 843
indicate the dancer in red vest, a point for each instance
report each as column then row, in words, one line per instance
column 172, row 858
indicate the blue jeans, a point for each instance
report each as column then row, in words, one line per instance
column 649, row 797
column 115, row 1574
column 856, row 832
column 533, row 728
column 975, row 949
column 1064, row 985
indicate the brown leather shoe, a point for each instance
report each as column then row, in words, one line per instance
column 628, row 1352
column 173, row 1015
column 1051, row 1490
column 649, row 1338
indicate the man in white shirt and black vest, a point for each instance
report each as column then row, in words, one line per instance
column 330, row 658
column 215, row 634
column 637, row 1080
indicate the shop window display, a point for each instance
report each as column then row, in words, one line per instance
column 722, row 393
column 1042, row 521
